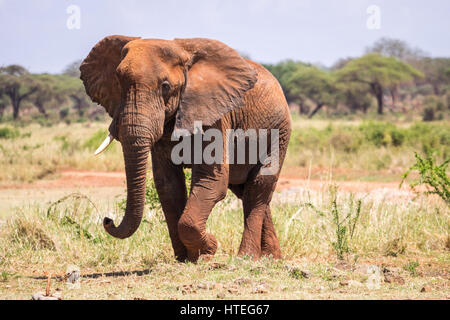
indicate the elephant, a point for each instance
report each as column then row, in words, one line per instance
column 154, row 89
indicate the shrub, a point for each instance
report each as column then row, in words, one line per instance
column 382, row 134
column 9, row 133
column 344, row 222
column 433, row 176
column 346, row 141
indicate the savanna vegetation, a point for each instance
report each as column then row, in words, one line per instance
column 379, row 120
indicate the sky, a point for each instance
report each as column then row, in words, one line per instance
column 43, row 35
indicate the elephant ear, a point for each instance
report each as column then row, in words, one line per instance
column 216, row 82
column 98, row 72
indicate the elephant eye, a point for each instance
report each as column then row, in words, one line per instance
column 165, row 86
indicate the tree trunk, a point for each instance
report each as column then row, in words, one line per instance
column 377, row 90
column 16, row 106
column 78, row 105
column 316, row 109
column 394, row 95
column 300, row 108
column 16, row 99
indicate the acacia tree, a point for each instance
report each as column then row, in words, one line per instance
column 354, row 96
column 17, row 84
column 378, row 73
column 283, row 72
column 72, row 88
column 437, row 72
column 46, row 92
column 317, row 85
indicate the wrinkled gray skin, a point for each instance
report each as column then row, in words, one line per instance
column 151, row 87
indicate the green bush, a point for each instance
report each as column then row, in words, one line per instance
column 9, row 133
column 346, row 140
column 433, row 176
column 382, row 134
column 344, row 218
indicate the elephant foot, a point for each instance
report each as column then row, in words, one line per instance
column 181, row 257
column 208, row 249
column 254, row 253
column 270, row 246
column 273, row 251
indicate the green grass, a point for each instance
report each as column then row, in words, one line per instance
column 366, row 146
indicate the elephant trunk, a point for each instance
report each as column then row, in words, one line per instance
column 137, row 132
column 135, row 168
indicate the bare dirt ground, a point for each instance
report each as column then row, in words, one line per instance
column 104, row 186
column 77, row 179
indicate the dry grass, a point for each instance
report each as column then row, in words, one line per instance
column 39, row 152
column 392, row 232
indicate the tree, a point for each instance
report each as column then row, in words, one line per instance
column 315, row 84
column 71, row 87
column 46, row 92
column 354, row 95
column 340, row 63
column 437, row 72
column 283, row 71
column 17, row 84
column 396, row 48
column 379, row 73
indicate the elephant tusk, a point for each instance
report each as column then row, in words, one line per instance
column 104, row 144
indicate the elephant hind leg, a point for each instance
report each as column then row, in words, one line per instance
column 270, row 245
column 259, row 236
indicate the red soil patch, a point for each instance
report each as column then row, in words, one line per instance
column 73, row 178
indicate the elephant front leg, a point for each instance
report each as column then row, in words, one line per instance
column 209, row 186
column 171, row 187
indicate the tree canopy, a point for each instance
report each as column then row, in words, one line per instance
column 44, row 91
column 17, row 84
column 309, row 82
column 352, row 84
column 378, row 72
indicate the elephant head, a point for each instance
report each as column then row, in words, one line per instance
column 144, row 83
